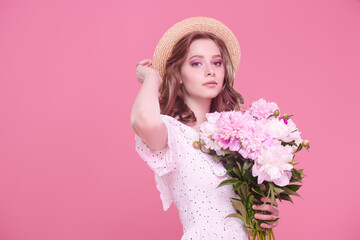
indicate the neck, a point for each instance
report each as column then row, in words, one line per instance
column 200, row 107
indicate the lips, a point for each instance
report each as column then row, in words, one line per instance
column 211, row 83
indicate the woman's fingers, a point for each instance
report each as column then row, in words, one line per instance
column 269, row 201
column 145, row 62
column 274, row 213
column 143, row 68
column 266, row 207
column 265, row 225
column 264, row 217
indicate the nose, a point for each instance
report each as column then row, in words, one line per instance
column 210, row 70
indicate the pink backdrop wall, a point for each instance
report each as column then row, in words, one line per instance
column 68, row 166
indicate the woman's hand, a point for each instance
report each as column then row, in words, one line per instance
column 274, row 213
column 143, row 69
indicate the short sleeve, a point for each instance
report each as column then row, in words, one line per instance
column 162, row 162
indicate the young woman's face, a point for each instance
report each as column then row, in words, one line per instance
column 202, row 72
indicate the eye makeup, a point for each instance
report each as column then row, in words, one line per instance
column 217, row 62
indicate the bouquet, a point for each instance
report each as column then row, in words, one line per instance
column 257, row 148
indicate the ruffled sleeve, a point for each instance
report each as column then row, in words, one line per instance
column 162, row 162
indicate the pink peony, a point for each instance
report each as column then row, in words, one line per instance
column 229, row 125
column 252, row 137
column 262, row 109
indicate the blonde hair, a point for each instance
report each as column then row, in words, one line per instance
column 171, row 91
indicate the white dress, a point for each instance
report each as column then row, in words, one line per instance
column 189, row 177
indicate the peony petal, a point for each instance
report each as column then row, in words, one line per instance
column 261, row 177
column 234, row 146
column 283, row 180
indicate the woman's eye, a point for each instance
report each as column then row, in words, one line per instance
column 218, row 63
column 195, row 64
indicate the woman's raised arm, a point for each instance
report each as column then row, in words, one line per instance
column 145, row 115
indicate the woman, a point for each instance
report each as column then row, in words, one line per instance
column 194, row 68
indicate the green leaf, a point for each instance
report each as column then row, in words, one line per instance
column 286, row 197
column 236, row 215
column 288, row 143
column 267, row 197
column 262, row 187
column 252, row 199
column 301, row 172
column 237, row 185
column 237, row 172
column 294, row 187
column 292, row 179
column 248, row 202
column 244, row 189
column 290, row 192
column 212, row 152
column 228, row 182
column 278, row 190
column 296, row 175
column 238, row 205
column 240, row 167
column 230, row 161
column 299, row 148
column 249, row 177
column 257, row 190
column 270, row 221
column 272, row 195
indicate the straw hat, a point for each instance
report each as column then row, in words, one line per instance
column 165, row 45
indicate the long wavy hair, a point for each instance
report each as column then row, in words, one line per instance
column 172, row 91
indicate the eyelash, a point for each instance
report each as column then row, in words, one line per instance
column 199, row 62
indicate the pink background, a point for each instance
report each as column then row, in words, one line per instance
column 68, row 166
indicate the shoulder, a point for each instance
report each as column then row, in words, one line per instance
column 176, row 128
column 170, row 121
column 169, row 118
column 179, row 129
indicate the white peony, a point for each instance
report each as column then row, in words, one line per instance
column 207, row 130
column 284, row 132
column 273, row 165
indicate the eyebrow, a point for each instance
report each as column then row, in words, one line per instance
column 201, row 56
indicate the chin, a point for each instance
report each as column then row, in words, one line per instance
column 215, row 94
column 211, row 96
column 207, row 93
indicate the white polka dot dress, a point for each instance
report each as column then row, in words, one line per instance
column 189, row 178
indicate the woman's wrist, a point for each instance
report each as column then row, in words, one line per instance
column 153, row 77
